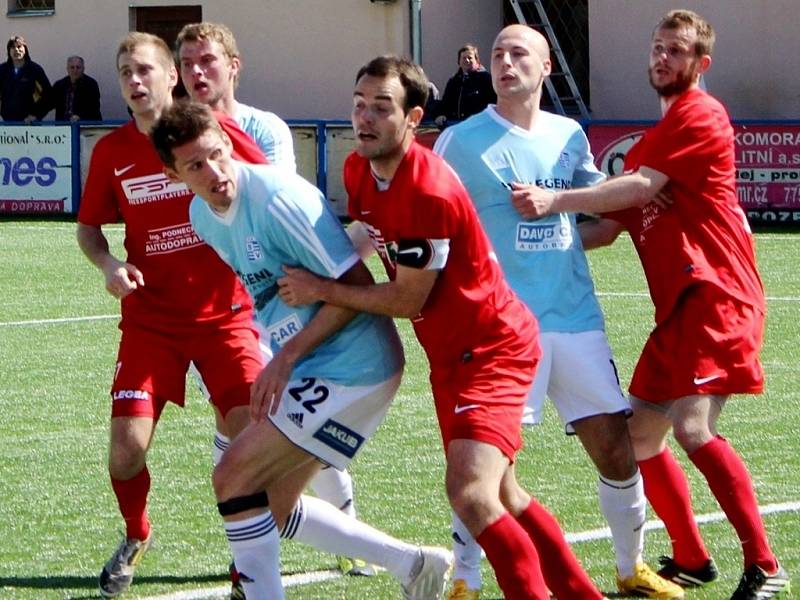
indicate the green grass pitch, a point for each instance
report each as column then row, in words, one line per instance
column 58, row 516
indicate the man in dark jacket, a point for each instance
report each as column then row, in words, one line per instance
column 76, row 96
column 24, row 87
column 467, row 92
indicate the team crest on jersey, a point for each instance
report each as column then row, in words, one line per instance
column 563, row 160
column 342, row 439
column 252, row 248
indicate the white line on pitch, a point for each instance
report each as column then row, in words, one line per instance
column 646, row 295
column 58, row 321
column 572, row 538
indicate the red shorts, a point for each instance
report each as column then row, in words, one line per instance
column 151, row 368
column 483, row 398
column 709, row 344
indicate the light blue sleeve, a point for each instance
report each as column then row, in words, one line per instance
column 586, row 173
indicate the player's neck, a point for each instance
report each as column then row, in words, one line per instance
column 146, row 120
column 386, row 166
column 523, row 114
column 226, row 104
column 668, row 101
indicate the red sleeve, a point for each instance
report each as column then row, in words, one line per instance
column 244, row 148
column 99, row 203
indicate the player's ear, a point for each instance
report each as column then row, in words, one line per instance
column 703, row 63
column 172, row 175
column 415, row 116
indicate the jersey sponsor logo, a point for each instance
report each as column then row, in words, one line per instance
column 171, row 239
column 342, row 439
column 252, row 249
column 285, row 329
column 152, row 188
column 123, row 170
column 536, row 237
column 131, row 395
column 296, row 418
column 707, row 379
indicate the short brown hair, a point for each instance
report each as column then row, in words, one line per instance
column 680, row 18
column 411, row 76
column 214, row 32
column 134, row 39
column 181, row 123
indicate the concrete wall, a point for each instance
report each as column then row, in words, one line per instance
column 300, row 56
column 756, row 57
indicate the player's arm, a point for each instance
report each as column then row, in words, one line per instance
column 121, row 278
column 268, row 388
column 617, row 193
column 418, row 266
column 596, row 233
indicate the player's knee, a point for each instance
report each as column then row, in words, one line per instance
column 125, row 460
column 691, row 434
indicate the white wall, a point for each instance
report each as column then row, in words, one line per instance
column 756, row 57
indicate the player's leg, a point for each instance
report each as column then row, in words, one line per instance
column 562, row 571
column 150, row 368
column 694, row 425
column 475, row 471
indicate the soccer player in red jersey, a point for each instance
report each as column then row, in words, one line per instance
column 481, row 341
column 179, row 301
column 678, row 200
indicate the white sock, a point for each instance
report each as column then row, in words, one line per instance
column 336, row 487
column 322, row 526
column 624, row 506
column 468, row 555
column 221, row 443
column 256, row 550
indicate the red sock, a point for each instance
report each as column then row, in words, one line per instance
column 132, row 500
column 731, row 485
column 667, row 489
column 514, row 560
column 563, row 573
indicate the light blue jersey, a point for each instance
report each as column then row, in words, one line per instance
column 270, row 132
column 543, row 259
column 276, row 219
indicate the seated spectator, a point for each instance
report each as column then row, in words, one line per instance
column 25, row 92
column 76, row 96
column 467, row 92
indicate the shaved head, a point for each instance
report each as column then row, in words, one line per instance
column 527, row 36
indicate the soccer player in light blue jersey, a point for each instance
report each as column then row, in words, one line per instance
column 309, row 406
column 497, row 154
column 210, row 65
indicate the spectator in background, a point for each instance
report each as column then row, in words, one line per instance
column 24, row 88
column 77, row 96
column 467, row 92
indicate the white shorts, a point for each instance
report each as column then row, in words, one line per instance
column 333, row 421
column 577, row 372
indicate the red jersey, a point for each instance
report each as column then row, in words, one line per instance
column 703, row 235
column 186, row 283
column 471, row 309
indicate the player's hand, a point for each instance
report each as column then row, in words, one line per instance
column 267, row 389
column 530, row 201
column 298, row 287
column 122, row 278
